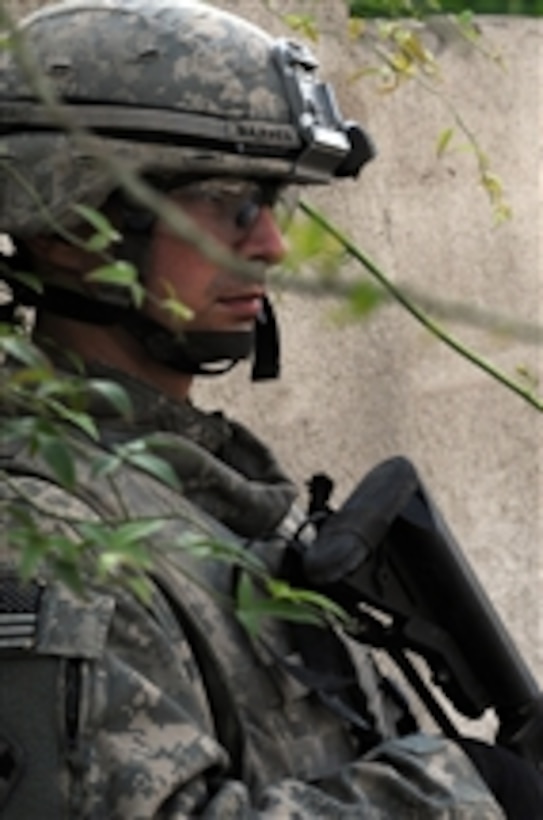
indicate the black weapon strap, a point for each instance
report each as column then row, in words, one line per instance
column 327, row 667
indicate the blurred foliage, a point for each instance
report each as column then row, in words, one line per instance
column 397, row 50
column 422, row 8
column 45, row 415
column 362, row 300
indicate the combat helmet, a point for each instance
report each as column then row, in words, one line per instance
column 164, row 87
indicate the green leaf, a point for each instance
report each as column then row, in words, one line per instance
column 443, row 141
column 68, row 572
column 177, row 309
column 124, row 546
column 174, row 306
column 156, row 466
column 284, row 592
column 120, row 274
column 123, row 538
column 205, row 546
column 467, row 24
column 20, row 386
column 140, row 586
column 29, row 279
column 303, row 24
column 36, row 546
column 59, row 458
column 22, row 429
column 365, row 297
column 310, row 243
column 105, row 232
column 245, row 605
column 110, row 562
column 81, row 420
column 114, row 394
column 356, row 27
column 252, row 608
column 105, row 464
column 132, row 532
column 97, row 242
column 31, row 546
column 23, row 351
column 6, row 44
column 94, row 533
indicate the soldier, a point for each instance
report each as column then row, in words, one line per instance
column 114, row 708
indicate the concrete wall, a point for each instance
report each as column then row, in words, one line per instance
column 352, row 396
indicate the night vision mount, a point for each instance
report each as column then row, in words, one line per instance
column 333, row 146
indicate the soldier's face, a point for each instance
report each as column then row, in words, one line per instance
column 243, row 221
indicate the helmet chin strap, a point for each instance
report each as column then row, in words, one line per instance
column 211, row 353
column 267, row 346
column 202, row 352
column 205, row 353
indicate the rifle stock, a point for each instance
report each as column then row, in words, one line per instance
column 388, row 557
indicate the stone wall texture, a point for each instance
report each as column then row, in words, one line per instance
column 353, row 395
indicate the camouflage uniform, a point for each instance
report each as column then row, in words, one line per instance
column 179, row 713
column 109, row 708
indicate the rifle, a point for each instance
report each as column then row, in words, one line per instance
column 389, row 559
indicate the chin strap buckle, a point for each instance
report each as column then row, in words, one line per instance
column 266, row 362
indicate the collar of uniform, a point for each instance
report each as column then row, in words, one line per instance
column 234, row 476
column 152, row 411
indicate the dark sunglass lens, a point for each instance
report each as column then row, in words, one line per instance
column 247, row 213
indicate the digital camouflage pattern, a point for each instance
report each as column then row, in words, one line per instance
column 109, row 707
column 196, row 90
column 178, row 712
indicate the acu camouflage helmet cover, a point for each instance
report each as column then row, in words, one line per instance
column 161, row 86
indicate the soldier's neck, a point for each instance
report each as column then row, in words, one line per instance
column 113, row 347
